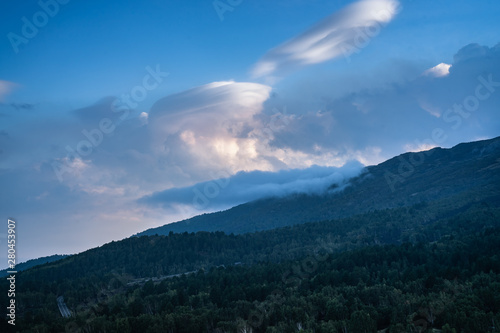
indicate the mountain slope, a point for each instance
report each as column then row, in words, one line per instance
column 104, row 285
column 468, row 171
column 34, row 262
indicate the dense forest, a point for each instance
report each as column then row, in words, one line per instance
column 404, row 270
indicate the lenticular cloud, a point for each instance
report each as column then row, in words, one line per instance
column 341, row 33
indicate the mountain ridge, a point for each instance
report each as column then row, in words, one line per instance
column 34, row 262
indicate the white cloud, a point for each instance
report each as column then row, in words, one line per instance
column 143, row 117
column 243, row 187
column 431, row 109
column 415, row 148
column 209, row 125
column 222, row 126
column 339, row 34
column 440, row 70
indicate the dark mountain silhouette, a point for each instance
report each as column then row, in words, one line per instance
column 32, row 263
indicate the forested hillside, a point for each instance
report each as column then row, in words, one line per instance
column 452, row 284
column 323, row 287
column 34, row 262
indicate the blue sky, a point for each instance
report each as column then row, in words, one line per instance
column 260, row 88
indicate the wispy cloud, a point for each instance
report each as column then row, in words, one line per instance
column 338, row 34
column 249, row 186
